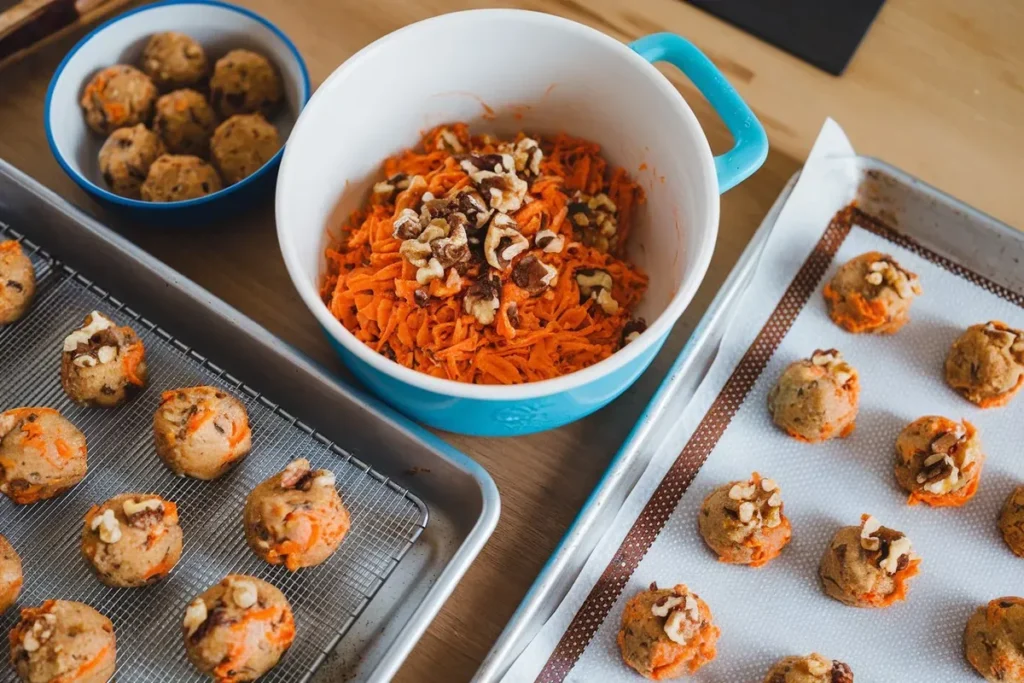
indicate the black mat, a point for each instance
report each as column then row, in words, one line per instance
column 825, row 33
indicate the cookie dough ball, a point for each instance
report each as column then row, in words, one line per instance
column 667, row 633
column 177, row 177
column 173, row 60
column 103, row 365
column 742, row 522
column 118, row 96
column 63, row 641
column 244, row 82
column 238, row 630
column 126, row 156
column 42, row 454
column 201, row 432
column 17, row 282
column 132, row 540
column 810, row 669
column 816, row 399
column 871, row 293
column 994, row 640
column 296, row 517
column 1011, row 521
column 939, row 461
column 185, row 121
column 11, row 577
column 868, row 566
column 986, row 364
column 242, row 144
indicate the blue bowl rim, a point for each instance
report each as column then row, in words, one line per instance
column 109, row 196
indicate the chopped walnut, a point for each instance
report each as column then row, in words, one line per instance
column 473, row 206
column 407, row 225
column 196, row 615
column 432, row 271
column 681, row 613
column 418, row 251
column 244, row 593
column 503, row 242
column 448, row 141
column 451, row 249
column 943, row 466
column 893, row 548
column 534, row 275
column 607, row 302
column 107, row 527
column 595, row 220
column 527, row 155
column 143, row 514
column 888, row 272
column 385, row 190
column 421, row 297
column 325, row 478
column 549, row 242
column 482, row 299
column 632, row 330
column 504, row 191
column 833, row 362
column 297, row 475
column 590, row 280
column 756, row 505
column 816, row 665
column 495, row 163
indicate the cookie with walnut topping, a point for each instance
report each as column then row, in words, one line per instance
column 994, row 640
column 868, row 565
column 810, row 669
column 132, row 540
column 985, row 365
column 817, row 398
column 742, row 522
column 939, row 461
column 871, row 293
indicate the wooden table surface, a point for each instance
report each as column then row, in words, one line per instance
column 937, row 88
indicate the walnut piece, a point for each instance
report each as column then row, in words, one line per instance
column 244, row 593
column 833, row 362
column 888, row 272
column 482, row 299
column 97, row 322
column 503, row 242
column 504, row 192
column 533, row 275
column 195, row 616
column 549, row 242
column 107, row 527
column 407, row 225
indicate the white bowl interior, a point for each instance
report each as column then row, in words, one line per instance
column 218, row 29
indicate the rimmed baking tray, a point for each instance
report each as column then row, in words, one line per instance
column 412, row 537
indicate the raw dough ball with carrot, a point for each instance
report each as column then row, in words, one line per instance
column 871, row 293
column 743, row 523
column 241, row 145
column 132, row 540
column 1011, row 521
column 238, row 630
column 939, row 461
column 63, row 642
column 201, row 431
column 11, row 577
column 177, row 177
column 174, row 60
column 868, row 565
column 810, row 669
column 17, row 282
column 103, row 365
column 116, row 97
column 42, row 454
column 125, row 159
column 986, row 364
column 296, row 517
column 184, row 120
column 667, row 633
column 816, row 399
column 244, row 82
column 994, row 640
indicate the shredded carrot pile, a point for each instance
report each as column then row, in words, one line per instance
column 374, row 291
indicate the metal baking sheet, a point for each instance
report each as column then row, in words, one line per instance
column 359, row 613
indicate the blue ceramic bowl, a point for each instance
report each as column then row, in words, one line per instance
column 219, row 27
column 570, row 78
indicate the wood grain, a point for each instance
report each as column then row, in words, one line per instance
column 937, row 88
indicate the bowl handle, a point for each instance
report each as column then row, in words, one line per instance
column 751, row 142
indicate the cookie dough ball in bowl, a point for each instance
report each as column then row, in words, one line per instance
column 939, row 461
column 185, row 121
column 126, row 156
column 244, row 82
column 132, row 540
column 201, row 432
column 177, row 177
column 810, row 669
column 174, row 60
column 1011, row 521
column 63, row 642
column 118, row 96
column 17, row 282
column 994, row 640
column 871, row 293
column 742, row 522
column 11, row 577
column 42, row 454
column 868, row 565
column 242, row 144
column 239, row 629
column 103, row 365
column 296, row 518
column 816, row 399
column 667, row 633
column 986, row 364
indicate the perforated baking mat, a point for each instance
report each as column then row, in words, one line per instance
column 386, row 518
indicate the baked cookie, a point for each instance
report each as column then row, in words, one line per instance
column 116, row 97
column 939, row 461
column 103, row 365
column 296, row 518
column 810, row 669
column 184, row 120
column 871, row 293
column 42, row 454
column 816, row 399
column 177, row 177
column 17, row 282
column 173, row 60
column 125, row 159
column 1011, row 521
column 667, row 633
column 63, row 642
column 868, row 566
column 244, row 82
column 994, row 640
column 132, row 540
column 201, row 432
column 238, row 630
column 986, row 364
column 241, row 145
column 11, row 577
column 743, row 523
